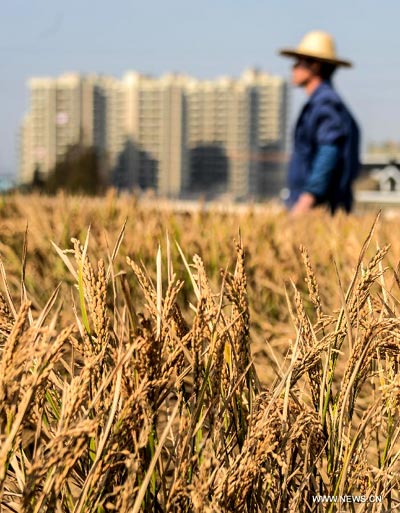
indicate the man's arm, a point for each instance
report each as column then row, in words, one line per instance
column 324, row 165
column 317, row 185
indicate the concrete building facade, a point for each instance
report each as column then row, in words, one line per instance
column 62, row 113
column 236, row 132
column 175, row 134
column 155, row 133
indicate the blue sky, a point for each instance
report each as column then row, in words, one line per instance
column 205, row 39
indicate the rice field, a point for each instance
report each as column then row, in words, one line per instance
column 155, row 361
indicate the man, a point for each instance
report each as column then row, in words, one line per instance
column 325, row 158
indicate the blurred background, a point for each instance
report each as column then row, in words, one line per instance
column 181, row 99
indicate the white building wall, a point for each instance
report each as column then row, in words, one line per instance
column 144, row 128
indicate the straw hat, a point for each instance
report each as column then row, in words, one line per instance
column 317, row 45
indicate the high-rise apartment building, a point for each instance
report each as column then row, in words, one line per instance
column 155, row 130
column 62, row 113
column 109, row 120
column 174, row 134
column 236, row 131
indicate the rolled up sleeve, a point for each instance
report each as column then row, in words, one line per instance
column 324, row 165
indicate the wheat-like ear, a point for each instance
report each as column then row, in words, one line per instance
column 130, row 386
column 312, row 283
column 7, row 290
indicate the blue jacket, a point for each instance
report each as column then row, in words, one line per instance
column 324, row 122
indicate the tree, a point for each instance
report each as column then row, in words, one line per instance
column 79, row 172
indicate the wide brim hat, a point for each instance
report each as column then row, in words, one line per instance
column 317, row 45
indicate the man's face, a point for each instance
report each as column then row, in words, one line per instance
column 302, row 71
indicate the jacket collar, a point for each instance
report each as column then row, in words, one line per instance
column 324, row 88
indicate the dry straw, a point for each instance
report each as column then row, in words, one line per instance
column 137, row 386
